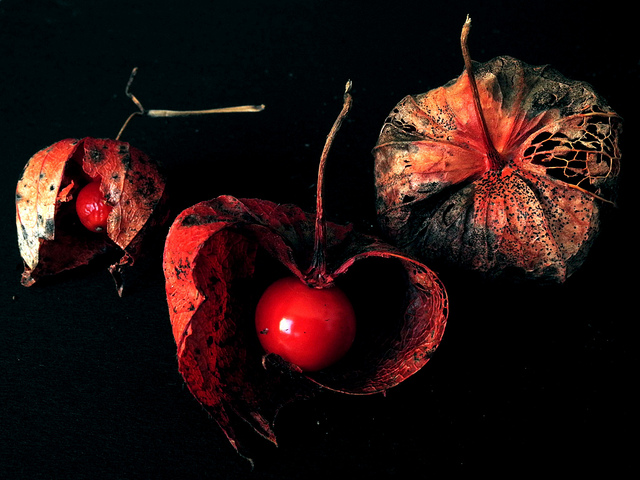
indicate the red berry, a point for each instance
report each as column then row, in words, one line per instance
column 308, row 327
column 92, row 207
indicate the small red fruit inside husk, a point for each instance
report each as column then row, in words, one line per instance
column 219, row 257
column 50, row 236
column 503, row 170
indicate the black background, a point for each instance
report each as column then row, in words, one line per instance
column 527, row 378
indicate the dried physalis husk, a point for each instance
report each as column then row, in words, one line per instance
column 51, row 236
column 504, row 170
column 219, row 257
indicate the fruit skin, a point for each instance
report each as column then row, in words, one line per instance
column 308, row 327
column 92, row 208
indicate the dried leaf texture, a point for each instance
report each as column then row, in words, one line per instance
column 221, row 254
column 532, row 214
column 50, row 237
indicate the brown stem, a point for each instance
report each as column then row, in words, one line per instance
column 495, row 159
column 177, row 113
column 318, row 270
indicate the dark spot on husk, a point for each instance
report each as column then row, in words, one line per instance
column 49, row 227
column 147, row 188
column 195, row 220
column 96, row 155
column 126, row 162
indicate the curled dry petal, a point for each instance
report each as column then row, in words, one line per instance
column 50, row 237
column 221, row 254
column 530, row 207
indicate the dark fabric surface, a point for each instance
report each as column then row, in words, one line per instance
column 527, row 378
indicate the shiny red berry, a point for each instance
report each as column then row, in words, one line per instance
column 92, row 208
column 309, row 327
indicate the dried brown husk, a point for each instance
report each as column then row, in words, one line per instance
column 50, row 236
column 532, row 214
column 221, row 254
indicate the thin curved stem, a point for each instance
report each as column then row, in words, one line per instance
column 134, row 114
column 177, row 113
column 188, row 113
column 318, row 269
column 495, row 159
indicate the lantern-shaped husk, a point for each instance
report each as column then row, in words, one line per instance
column 219, row 257
column 50, row 236
column 526, row 202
